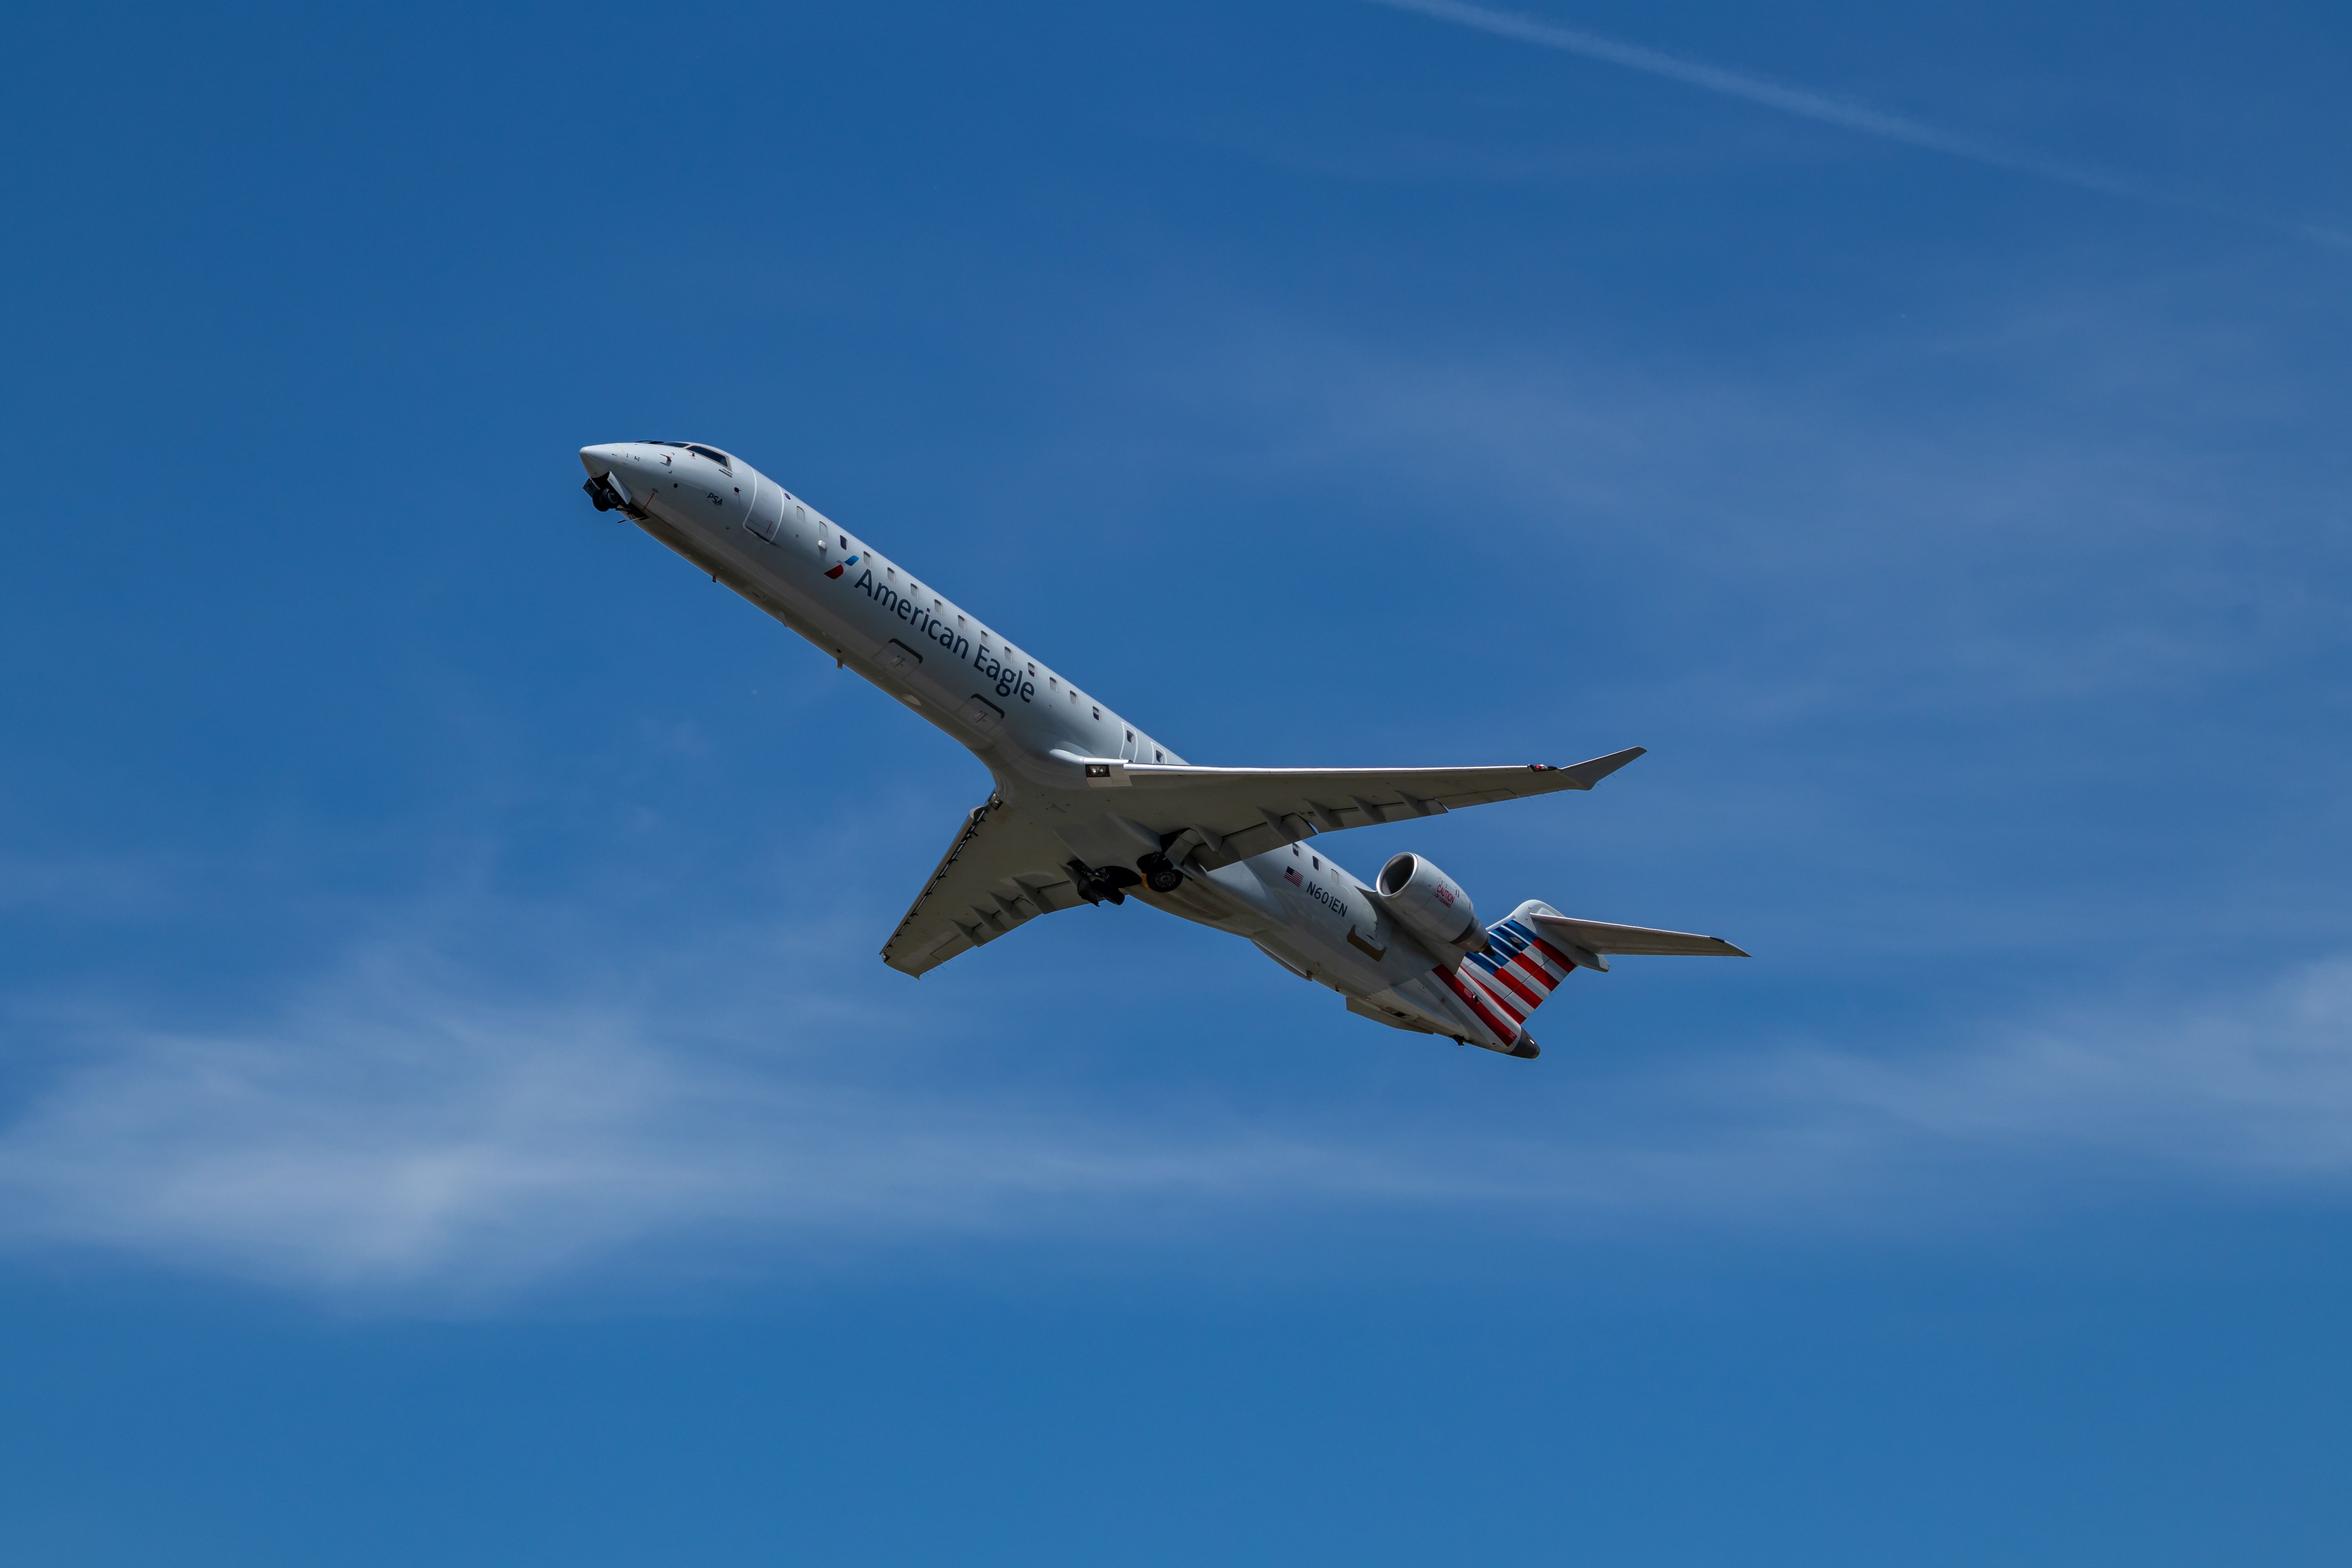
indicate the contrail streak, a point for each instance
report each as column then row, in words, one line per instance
column 1814, row 106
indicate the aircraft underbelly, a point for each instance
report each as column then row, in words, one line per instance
column 1250, row 899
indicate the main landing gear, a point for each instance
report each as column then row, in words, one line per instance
column 1159, row 874
column 1107, row 884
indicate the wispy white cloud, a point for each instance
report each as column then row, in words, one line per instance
column 382, row 1138
column 1806, row 104
column 386, row 1132
column 2256, row 1086
column 2074, row 497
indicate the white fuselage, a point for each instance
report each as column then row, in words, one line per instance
column 1032, row 729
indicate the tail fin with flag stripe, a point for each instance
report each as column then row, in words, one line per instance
column 1536, row 947
column 1504, row 985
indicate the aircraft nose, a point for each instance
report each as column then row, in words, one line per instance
column 602, row 460
column 613, row 480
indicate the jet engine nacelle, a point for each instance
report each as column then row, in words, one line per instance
column 1432, row 905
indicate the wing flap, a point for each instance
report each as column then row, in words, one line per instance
column 1240, row 812
column 1001, row 872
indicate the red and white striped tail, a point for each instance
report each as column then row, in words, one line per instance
column 1503, row 988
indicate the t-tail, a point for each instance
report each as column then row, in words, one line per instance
column 1530, row 950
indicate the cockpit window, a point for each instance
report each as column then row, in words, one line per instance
column 713, row 453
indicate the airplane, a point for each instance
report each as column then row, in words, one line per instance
column 1089, row 809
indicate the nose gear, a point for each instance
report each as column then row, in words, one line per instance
column 606, row 494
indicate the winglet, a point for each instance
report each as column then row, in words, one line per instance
column 1584, row 776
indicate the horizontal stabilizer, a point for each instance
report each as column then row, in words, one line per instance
column 1599, row 936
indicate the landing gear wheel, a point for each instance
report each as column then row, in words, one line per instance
column 1159, row 874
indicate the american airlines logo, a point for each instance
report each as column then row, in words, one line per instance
column 1009, row 681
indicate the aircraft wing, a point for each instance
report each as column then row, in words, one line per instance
column 1001, row 872
column 1599, row 936
column 1233, row 812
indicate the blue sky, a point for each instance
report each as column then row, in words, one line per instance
column 451, row 1107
